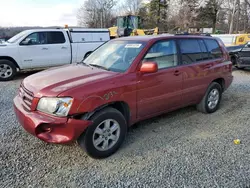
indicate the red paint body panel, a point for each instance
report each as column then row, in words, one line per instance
column 158, row 92
column 146, row 95
column 63, row 130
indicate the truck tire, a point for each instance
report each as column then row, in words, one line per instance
column 105, row 135
column 7, row 70
column 87, row 54
column 211, row 100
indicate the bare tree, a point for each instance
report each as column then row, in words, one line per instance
column 96, row 13
column 232, row 18
column 133, row 6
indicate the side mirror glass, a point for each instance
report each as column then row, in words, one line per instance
column 149, row 67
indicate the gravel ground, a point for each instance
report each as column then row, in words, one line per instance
column 181, row 149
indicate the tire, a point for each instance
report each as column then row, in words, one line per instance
column 87, row 54
column 7, row 70
column 210, row 107
column 109, row 116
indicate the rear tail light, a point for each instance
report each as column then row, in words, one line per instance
column 226, row 56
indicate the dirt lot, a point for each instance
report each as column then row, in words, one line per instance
column 181, row 149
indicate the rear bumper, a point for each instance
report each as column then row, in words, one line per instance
column 49, row 128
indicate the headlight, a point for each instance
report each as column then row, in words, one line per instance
column 55, row 106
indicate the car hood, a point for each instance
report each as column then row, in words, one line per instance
column 4, row 44
column 234, row 48
column 53, row 82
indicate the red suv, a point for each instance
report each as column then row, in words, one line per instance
column 124, row 81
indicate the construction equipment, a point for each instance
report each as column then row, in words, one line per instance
column 130, row 25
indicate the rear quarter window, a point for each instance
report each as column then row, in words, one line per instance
column 214, row 49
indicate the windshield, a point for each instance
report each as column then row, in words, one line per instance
column 121, row 22
column 17, row 37
column 133, row 22
column 115, row 56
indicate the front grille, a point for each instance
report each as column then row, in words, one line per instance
column 27, row 97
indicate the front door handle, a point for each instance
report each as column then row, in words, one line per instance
column 207, row 66
column 44, row 48
column 64, row 48
column 177, row 73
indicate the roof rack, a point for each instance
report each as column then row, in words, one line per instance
column 198, row 34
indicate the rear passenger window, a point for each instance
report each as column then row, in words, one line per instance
column 213, row 49
column 191, row 51
column 204, row 51
column 55, row 37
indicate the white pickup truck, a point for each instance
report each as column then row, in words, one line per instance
column 42, row 48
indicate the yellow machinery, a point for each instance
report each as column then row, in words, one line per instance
column 233, row 39
column 130, row 26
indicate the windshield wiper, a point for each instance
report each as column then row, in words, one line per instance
column 82, row 62
column 99, row 66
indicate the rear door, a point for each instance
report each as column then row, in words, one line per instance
column 161, row 91
column 198, row 62
column 59, row 48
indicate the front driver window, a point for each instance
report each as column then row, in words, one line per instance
column 35, row 39
column 163, row 53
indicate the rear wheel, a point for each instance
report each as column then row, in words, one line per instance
column 105, row 135
column 7, row 70
column 211, row 101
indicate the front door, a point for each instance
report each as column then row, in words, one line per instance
column 34, row 51
column 245, row 55
column 161, row 91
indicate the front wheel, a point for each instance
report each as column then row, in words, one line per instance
column 211, row 100
column 7, row 70
column 105, row 135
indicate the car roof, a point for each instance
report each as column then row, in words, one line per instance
column 147, row 38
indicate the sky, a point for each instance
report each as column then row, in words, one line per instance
column 39, row 12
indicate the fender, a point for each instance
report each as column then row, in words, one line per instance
column 95, row 102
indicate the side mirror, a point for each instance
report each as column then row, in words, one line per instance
column 27, row 42
column 149, row 67
column 248, row 45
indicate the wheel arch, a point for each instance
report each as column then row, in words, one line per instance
column 121, row 106
column 10, row 59
column 87, row 54
column 220, row 81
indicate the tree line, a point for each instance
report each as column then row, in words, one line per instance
column 225, row 16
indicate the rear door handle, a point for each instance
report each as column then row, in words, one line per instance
column 64, row 48
column 44, row 48
column 177, row 73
